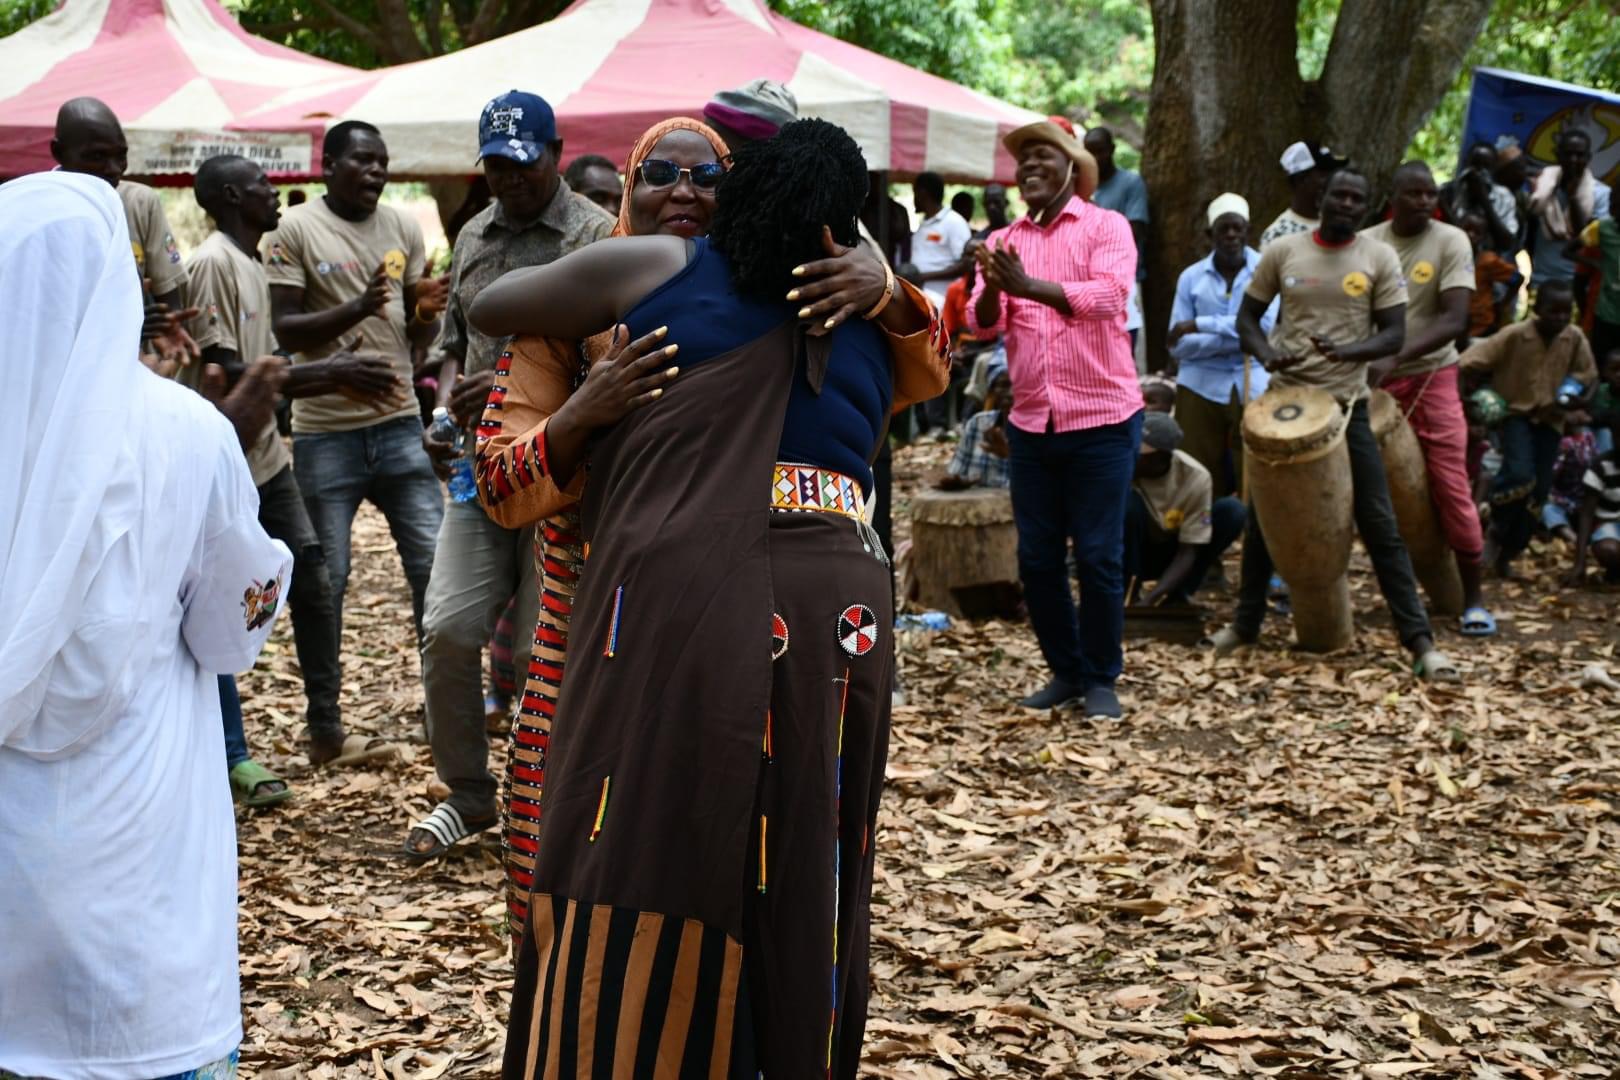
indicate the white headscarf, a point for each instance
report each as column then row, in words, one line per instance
column 74, row 486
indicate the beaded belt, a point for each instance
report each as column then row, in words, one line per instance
column 800, row 487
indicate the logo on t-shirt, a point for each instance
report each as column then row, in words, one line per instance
column 278, row 256
column 140, row 254
column 1423, row 272
column 394, row 263
column 1356, row 284
column 171, row 249
column 259, row 602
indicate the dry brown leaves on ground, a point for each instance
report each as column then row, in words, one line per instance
column 1276, row 865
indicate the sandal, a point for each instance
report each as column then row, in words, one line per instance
column 446, row 827
column 1436, row 666
column 248, row 781
column 1476, row 622
column 358, row 750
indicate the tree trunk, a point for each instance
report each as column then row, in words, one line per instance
column 1228, row 98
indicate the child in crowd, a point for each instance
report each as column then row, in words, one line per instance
column 1598, row 526
column 1577, row 450
column 1526, row 363
column 1158, row 393
column 1604, row 408
column 981, row 453
column 1496, row 282
column 1484, row 409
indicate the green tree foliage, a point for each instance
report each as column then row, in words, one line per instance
column 16, row 14
column 375, row 33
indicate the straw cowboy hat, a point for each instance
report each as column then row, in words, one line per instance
column 1058, row 131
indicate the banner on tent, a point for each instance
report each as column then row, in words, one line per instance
column 154, row 153
column 1532, row 111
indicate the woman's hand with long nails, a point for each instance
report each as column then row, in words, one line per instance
column 631, row 375
column 843, row 285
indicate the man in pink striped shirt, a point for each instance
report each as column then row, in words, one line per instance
column 1055, row 283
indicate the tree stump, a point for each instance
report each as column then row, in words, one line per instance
column 963, row 544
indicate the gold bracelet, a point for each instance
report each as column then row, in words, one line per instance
column 888, row 293
column 429, row 321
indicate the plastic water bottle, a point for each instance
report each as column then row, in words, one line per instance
column 928, row 620
column 1570, row 392
column 463, row 488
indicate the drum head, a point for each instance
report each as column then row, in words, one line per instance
column 1291, row 420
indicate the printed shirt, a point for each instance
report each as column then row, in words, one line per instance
column 157, row 256
column 1287, row 224
column 1526, row 370
column 1436, row 259
column 1603, row 478
column 973, row 461
column 1210, row 361
column 332, row 259
column 937, row 243
column 1604, row 235
column 1180, row 500
column 1073, row 371
column 232, row 297
column 489, row 246
column 1331, row 292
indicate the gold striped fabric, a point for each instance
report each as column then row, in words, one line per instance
column 625, row 995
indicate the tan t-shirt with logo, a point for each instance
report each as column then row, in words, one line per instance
column 1436, row 259
column 157, row 256
column 1180, row 500
column 1331, row 292
column 332, row 259
column 232, row 295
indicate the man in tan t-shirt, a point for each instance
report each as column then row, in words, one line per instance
column 342, row 269
column 1175, row 529
column 1438, row 264
column 1343, row 306
column 90, row 140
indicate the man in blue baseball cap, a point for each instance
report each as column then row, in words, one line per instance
column 533, row 219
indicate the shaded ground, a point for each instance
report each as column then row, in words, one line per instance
column 1276, row 865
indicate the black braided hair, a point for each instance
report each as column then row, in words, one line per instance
column 771, row 205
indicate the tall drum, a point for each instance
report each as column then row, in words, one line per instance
column 1408, row 474
column 1298, row 472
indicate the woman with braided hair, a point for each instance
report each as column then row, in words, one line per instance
column 705, row 855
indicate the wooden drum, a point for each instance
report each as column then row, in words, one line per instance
column 1432, row 558
column 1298, row 473
column 961, row 540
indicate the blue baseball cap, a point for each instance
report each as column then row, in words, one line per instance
column 516, row 126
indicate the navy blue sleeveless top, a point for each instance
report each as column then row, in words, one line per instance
column 836, row 429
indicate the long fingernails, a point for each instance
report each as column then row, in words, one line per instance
column 661, row 331
column 672, row 372
column 657, row 393
column 830, row 323
column 794, row 295
column 804, row 313
column 671, row 350
column 798, row 271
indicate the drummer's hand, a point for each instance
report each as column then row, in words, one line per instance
column 1281, row 361
column 1329, row 351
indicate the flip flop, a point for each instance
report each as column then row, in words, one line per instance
column 1435, row 666
column 246, row 780
column 361, row 749
column 447, row 828
column 1476, row 622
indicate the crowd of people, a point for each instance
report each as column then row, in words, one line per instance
column 686, row 821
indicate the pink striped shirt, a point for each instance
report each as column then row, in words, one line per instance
column 1075, row 371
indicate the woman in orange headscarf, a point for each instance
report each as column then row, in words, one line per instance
column 669, row 189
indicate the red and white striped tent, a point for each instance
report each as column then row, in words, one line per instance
column 179, row 73
column 612, row 68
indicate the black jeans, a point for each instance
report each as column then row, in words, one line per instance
column 1150, row 549
column 1375, row 521
column 1529, row 452
column 315, row 631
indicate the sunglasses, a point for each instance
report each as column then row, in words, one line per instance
column 658, row 173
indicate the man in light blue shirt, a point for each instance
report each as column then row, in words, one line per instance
column 1120, row 190
column 1562, row 201
column 1214, row 382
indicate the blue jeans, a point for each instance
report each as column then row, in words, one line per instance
column 1149, row 549
column 385, row 464
column 230, row 711
column 1529, row 452
column 1071, row 486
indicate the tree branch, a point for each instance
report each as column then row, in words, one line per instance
column 432, row 22
column 483, row 24
column 399, row 31
column 361, row 32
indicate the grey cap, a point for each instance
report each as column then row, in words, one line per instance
column 757, row 110
column 1160, row 432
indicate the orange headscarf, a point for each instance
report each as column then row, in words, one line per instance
column 644, row 146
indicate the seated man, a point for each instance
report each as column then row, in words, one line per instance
column 1173, row 532
column 981, row 454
